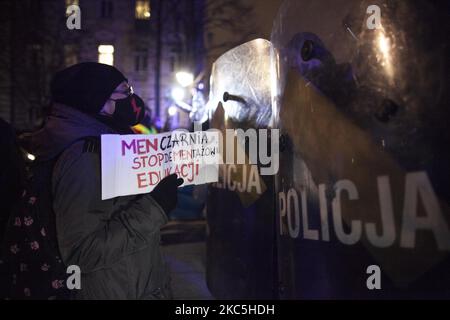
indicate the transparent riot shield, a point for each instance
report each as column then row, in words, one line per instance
column 241, row 206
column 361, row 96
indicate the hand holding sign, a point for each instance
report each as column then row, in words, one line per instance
column 136, row 164
column 165, row 193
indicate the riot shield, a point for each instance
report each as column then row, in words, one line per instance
column 361, row 97
column 241, row 206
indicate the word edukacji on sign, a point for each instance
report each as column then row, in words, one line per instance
column 135, row 164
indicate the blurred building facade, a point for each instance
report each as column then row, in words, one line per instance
column 148, row 40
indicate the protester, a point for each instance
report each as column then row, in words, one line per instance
column 115, row 242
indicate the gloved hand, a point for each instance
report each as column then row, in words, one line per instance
column 165, row 193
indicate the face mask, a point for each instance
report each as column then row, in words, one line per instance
column 129, row 111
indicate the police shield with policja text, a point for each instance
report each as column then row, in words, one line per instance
column 361, row 97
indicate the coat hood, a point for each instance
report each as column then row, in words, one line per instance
column 64, row 126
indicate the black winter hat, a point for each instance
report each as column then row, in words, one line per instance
column 86, row 86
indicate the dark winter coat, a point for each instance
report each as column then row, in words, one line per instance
column 116, row 242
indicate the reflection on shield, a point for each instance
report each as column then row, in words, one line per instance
column 241, row 205
column 242, row 77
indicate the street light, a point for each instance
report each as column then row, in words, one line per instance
column 196, row 109
column 185, row 79
column 178, row 94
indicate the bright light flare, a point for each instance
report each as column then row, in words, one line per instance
column 178, row 94
column 185, row 79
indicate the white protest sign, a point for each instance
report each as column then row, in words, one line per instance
column 135, row 164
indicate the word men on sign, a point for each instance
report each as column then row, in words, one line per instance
column 135, row 164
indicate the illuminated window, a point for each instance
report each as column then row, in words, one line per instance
column 71, row 3
column 106, row 54
column 143, row 9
